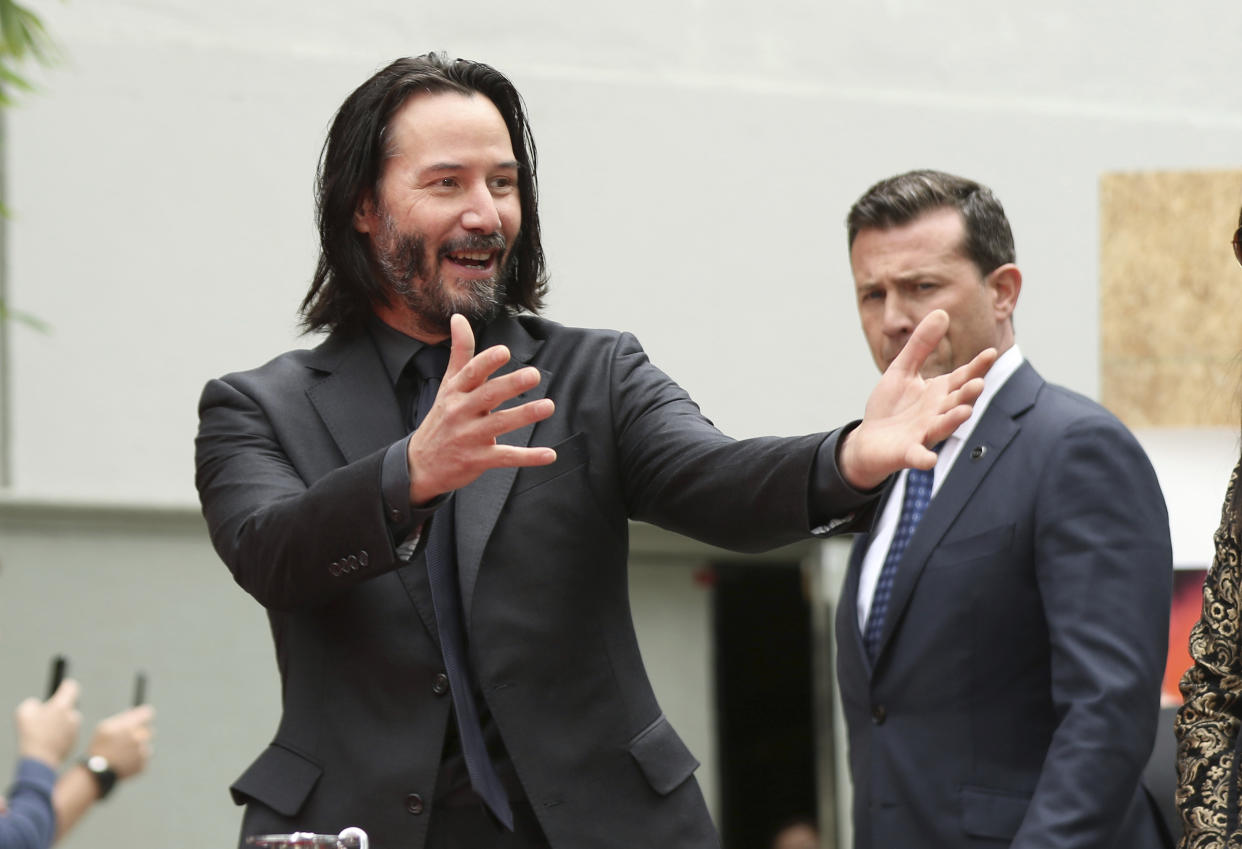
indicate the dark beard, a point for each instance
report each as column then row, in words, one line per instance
column 402, row 261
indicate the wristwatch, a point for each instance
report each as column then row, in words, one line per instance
column 105, row 778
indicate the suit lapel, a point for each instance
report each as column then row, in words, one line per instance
column 999, row 425
column 478, row 505
column 348, row 400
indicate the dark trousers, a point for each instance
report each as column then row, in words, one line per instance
column 473, row 826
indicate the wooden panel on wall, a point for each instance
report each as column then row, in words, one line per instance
column 1170, row 298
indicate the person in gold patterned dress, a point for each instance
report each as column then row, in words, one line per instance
column 1207, row 724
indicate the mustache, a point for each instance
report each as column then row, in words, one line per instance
column 474, row 242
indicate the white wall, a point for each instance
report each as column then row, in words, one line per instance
column 698, row 159
column 1193, row 466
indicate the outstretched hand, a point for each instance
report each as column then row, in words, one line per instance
column 456, row 442
column 906, row 413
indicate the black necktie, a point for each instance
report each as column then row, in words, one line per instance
column 431, row 363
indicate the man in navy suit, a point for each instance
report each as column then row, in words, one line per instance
column 441, row 549
column 1002, row 631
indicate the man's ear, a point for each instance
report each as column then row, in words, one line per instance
column 365, row 220
column 1006, row 284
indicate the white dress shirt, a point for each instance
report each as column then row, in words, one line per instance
column 882, row 535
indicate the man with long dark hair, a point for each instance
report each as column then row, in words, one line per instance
column 440, row 537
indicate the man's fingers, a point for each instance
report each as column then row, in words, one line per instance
column 518, row 417
column 498, row 390
column 921, row 343
column 976, row 368
column 919, row 457
column 462, row 350
column 516, row 455
column 944, row 425
column 478, row 369
column 469, row 371
column 967, row 394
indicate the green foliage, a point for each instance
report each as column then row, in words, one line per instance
column 24, row 317
column 22, row 37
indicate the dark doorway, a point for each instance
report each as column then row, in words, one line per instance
column 764, row 700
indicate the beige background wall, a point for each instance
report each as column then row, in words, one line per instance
column 1170, row 298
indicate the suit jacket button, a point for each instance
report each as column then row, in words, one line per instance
column 441, row 685
column 394, row 514
column 363, row 558
column 414, row 804
column 335, row 568
column 878, row 714
column 352, row 560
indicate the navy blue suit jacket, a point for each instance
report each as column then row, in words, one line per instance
column 1014, row 698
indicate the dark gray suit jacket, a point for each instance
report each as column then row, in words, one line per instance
column 1014, row 698
column 289, row 469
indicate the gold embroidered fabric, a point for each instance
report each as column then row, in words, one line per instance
column 1207, row 724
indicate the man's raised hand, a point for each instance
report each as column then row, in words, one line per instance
column 456, row 442
column 906, row 413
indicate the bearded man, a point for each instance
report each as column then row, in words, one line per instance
column 440, row 537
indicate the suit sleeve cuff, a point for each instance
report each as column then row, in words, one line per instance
column 833, row 504
column 405, row 522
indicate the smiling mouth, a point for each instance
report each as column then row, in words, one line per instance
column 478, row 260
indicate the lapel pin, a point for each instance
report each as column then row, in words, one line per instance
column 978, row 451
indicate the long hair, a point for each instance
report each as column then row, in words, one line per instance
column 901, row 199
column 344, row 291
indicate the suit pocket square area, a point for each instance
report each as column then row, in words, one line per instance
column 992, row 813
column 570, row 454
column 953, row 551
column 279, row 778
column 663, row 757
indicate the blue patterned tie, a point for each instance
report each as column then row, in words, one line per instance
column 918, row 494
column 431, row 363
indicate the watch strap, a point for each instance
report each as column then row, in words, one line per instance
column 105, row 777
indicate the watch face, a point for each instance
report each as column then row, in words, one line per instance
column 104, row 776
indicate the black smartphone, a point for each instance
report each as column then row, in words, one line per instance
column 57, row 674
column 140, row 689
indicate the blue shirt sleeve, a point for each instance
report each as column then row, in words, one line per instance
column 30, row 822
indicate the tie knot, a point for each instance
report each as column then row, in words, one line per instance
column 431, row 362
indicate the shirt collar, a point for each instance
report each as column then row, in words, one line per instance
column 395, row 348
column 1004, row 367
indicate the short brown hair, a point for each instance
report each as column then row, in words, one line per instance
column 901, row 199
